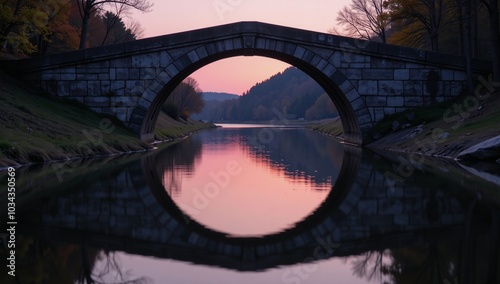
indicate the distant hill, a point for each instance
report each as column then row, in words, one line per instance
column 214, row 96
column 292, row 92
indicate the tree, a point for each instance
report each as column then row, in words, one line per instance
column 322, row 108
column 365, row 19
column 88, row 7
column 185, row 100
column 62, row 35
column 494, row 17
column 426, row 17
column 19, row 21
column 116, row 31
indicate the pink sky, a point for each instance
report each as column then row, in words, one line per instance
column 237, row 74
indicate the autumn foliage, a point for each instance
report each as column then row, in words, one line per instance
column 31, row 27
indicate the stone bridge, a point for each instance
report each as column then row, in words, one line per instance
column 133, row 212
column 365, row 80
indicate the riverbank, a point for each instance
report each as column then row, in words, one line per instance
column 39, row 129
column 444, row 130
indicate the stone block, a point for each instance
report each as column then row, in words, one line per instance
column 103, row 77
column 386, row 63
column 345, row 87
column 78, row 89
column 87, row 76
column 163, row 77
column 329, row 70
column 357, row 104
column 117, row 86
column 120, row 62
column 134, row 73
column 299, row 52
column 270, row 44
column 395, row 101
column 419, row 74
column 193, row 56
column 414, row 101
column 147, row 73
column 376, row 101
column 94, row 88
column 63, row 88
column 367, row 87
column 112, row 73
column 336, row 59
column 447, row 75
column 412, row 88
column 97, row 102
column 352, row 95
column 121, row 74
column 172, row 71
column 401, row 74
column 228, row 44
column 356, row 65
column 68, row 77
column 364, row 119
column 353, row 74
column 378, row 74
column 149, row 95
column 390, row 88
column 135, row 88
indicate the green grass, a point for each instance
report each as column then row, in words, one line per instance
column 36, row 128
column 332, row 127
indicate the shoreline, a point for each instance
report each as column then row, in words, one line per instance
column 5, row 163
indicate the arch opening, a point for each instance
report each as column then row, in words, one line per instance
column 323, row 72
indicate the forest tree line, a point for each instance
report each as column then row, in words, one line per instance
column 290, row 94
column 34, row 27
column 466, row 27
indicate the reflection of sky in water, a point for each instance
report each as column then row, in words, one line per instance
column 247, row 191
column 169, row 271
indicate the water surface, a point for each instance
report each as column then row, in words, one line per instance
column 255, row 204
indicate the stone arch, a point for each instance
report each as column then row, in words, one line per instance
column 353, row 112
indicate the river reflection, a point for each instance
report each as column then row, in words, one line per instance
column 250, row 190
column 222, row 207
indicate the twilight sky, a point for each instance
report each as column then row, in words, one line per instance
column 237, row 74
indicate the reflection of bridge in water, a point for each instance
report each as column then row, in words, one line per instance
column 133, row 213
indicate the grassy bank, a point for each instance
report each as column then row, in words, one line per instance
column 442, row 130
column 36, row 128
column 332, row 127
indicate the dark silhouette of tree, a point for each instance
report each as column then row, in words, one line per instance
column 419, row 18
column 88, row 7
column 494, row 17
column 364, row 19
column 185, row 100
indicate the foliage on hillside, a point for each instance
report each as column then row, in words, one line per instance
column 291, row 92
column 33, row 27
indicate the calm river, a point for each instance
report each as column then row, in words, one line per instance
column 254, row 204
